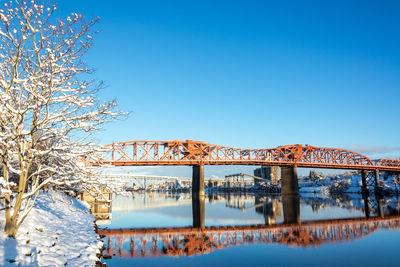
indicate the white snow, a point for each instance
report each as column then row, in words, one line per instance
column 58, row 231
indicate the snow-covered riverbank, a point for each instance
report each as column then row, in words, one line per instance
column 58, row 231
column 347, row 184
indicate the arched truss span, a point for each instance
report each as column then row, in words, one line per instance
column 189, row 152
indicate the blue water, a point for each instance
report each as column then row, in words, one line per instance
column 157, row 210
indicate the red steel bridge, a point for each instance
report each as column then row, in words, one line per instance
column 187, row 241
column 198, row 154
column 189, row 152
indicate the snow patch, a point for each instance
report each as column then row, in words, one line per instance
column 58, row 231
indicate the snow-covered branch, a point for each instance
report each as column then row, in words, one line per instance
column 48, row 108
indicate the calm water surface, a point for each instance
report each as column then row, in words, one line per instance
column 153, row 229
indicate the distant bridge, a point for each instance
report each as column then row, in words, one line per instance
column 186, row 241
column 144, row 177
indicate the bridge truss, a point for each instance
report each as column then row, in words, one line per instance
column 189, row 152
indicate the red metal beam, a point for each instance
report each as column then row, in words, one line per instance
column 189, row 152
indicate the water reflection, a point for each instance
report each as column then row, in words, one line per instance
column 187, row 241
column 269, row 207
column 162, row 224
column 291, row 208
column 198, row 209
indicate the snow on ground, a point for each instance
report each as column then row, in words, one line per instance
column 347, row 184
column 58, row 231
column 332, row 185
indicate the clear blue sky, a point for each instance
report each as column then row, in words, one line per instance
column 252, row 74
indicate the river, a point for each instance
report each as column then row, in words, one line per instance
column 153, row 229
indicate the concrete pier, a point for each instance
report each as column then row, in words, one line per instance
column 291, row 208
column 290, row 183
column 198, row 210
column 198, row 180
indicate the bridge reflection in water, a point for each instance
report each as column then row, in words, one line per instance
column 198, row 239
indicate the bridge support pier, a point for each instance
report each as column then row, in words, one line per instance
column 291, row 209
column 290, row 183
column 198, row 196
column 378, row 188
column 370, row 177
column 364, row 187
column 198, row 181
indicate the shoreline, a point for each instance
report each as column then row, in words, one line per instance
column 60, row 230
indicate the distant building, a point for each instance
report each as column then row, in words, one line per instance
column 271, row 173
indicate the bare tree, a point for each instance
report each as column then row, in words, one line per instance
column 48, row 107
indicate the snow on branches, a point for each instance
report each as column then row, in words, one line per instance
column 47, row 110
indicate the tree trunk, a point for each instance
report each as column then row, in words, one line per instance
column 11, row 223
